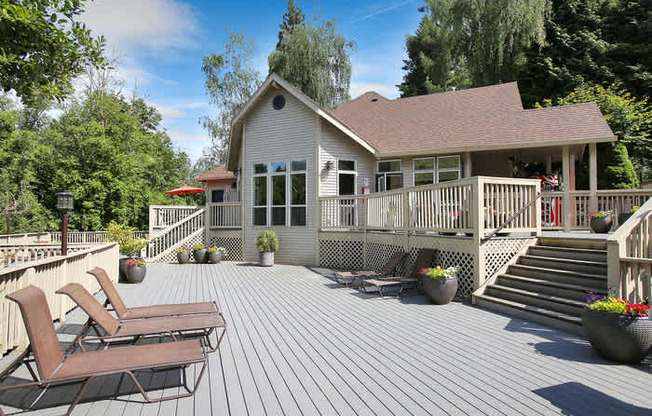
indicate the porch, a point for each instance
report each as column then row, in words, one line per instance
column 290, row 349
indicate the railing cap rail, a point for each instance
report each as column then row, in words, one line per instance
column 626, row 229
column 174, row 206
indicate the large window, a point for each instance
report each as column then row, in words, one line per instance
column 279, row 193
column 389, row 176
column 430, row 170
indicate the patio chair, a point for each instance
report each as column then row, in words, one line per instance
column 54, row 368
column 423, row 260
column 116, row 330
column 153, row 311
column 347, row 278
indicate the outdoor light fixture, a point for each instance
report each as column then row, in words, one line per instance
column 65, row 203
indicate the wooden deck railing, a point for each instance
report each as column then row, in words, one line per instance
column 172, row 235
column 225, row 215
column 50, row 275
column 90, row 237
column 628, row 255
column 16, row 255
column 163, row 216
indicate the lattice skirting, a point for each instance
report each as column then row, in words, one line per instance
column 498, row 252
column 171, row 255
column 233, row 245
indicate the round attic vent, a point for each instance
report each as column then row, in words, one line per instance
column 373, row 100
column 278, row 102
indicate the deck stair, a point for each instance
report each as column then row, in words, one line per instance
column 550, row 282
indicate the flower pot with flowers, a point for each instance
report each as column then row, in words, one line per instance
column 199, row 253
column 136, row 269
column 215, row 254
column 439, row 284
column 128, row 245
column 600, row 221
column 624, row 216
column 183, row 255
column 617, row 329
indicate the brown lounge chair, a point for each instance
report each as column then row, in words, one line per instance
column 147, row 311
column 347, row 278
column 55, row 368
column 423, row 260
column 185, row 325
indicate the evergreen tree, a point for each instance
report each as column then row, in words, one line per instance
column 294, row 17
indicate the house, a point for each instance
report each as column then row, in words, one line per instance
column 287, row 152
column 220, row 185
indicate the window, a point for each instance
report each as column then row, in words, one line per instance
column 217, row 195
column 279, row 193
column 390, row 175
column 448, row 168
column 426, row 171
column 346, row 185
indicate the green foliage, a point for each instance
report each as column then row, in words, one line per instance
column 440, row 273
column 43, row 47
column 463, row 43
column 123, row 235
column 198, row 247
column 612, row 305
column 267, row 241
column 182, row 250
column 293, row 18
column 315, row 58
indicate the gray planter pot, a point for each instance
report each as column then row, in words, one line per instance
column 440, row 291
column 136, row 274
column 214, row 257
column 601, row 225
column 199, row 255
column 183, row 257
column 266, row 258
column 122, row 268
column 621, row 338
column 623, row 217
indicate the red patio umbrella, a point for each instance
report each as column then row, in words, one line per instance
column 185, row 190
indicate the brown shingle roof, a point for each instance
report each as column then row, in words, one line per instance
column 216, row 174
column 473, row 119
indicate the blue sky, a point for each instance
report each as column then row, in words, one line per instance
column 159, row 44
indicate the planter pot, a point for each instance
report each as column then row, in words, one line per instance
column 122, row 268
column 623, row 217
column 183, row 257
column 266, row 258
column 601, row 225
column 136, row 274
column 199, row 255
column 440, row 291
column 616, row 337
column 214, row 257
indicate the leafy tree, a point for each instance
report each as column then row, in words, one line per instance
column 230, row 81
column 43, row 47
column 462, row 43
column 294, row 17
column 315, row 59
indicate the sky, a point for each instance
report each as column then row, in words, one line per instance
column 158, row 46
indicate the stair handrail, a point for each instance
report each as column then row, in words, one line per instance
column 511, row 218
column 164, row 233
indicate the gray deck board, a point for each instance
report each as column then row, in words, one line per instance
column 298, row 344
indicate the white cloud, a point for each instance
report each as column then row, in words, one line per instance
column 168, row 112
column 177, row 136
column 359, row 88
column 156, row 25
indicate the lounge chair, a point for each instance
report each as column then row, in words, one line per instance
column 423, row 260
column 147, row 311
column 347, row 278
column 185, row 325
column 55, row 368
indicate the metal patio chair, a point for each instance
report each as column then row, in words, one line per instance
column 349, row 278
column 423, row 260
column 54, row 368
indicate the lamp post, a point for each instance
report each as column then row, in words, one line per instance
column 65, row 203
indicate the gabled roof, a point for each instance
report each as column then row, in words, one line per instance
column 272, row 81
column 468, row 120
column 216, row 174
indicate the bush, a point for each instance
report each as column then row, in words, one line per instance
column 267, row 241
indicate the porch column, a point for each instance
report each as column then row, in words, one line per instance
column 566, row 172
column 467, row 164
column 593, row 177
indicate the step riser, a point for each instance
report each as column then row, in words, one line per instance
column 530, row 316
column 571, row 267
column 555, row 277
column 533, row 287
column 544, row 251
column 590, row 244
column 529, row 300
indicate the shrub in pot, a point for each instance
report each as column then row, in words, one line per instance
column 600, row 221
column 136, row 269
column 439, row 284
column 199, row 253
column 129, row 246
column 267, row 244
column 183, row 255
column 215, row 254
column 617, row 329
column 624, row 216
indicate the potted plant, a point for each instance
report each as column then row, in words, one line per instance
column 136, row 269
column 624, row 216
column 617, row 329
column 439, row 284
column 183, row 255
column 215, row 254
column 600, row 221
column 129, row 246
column 267, row 244
column 199, row 253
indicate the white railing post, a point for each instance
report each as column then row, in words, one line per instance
column 478, row 213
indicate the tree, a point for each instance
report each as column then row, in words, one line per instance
column 230, row 81
column 316, row 60
column 43, row 48
column 294, row 17
column 463, row 43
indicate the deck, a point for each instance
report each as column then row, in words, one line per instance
column 298, row 343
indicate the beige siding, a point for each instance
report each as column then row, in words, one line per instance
column 335, row 145
column 281, row 136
